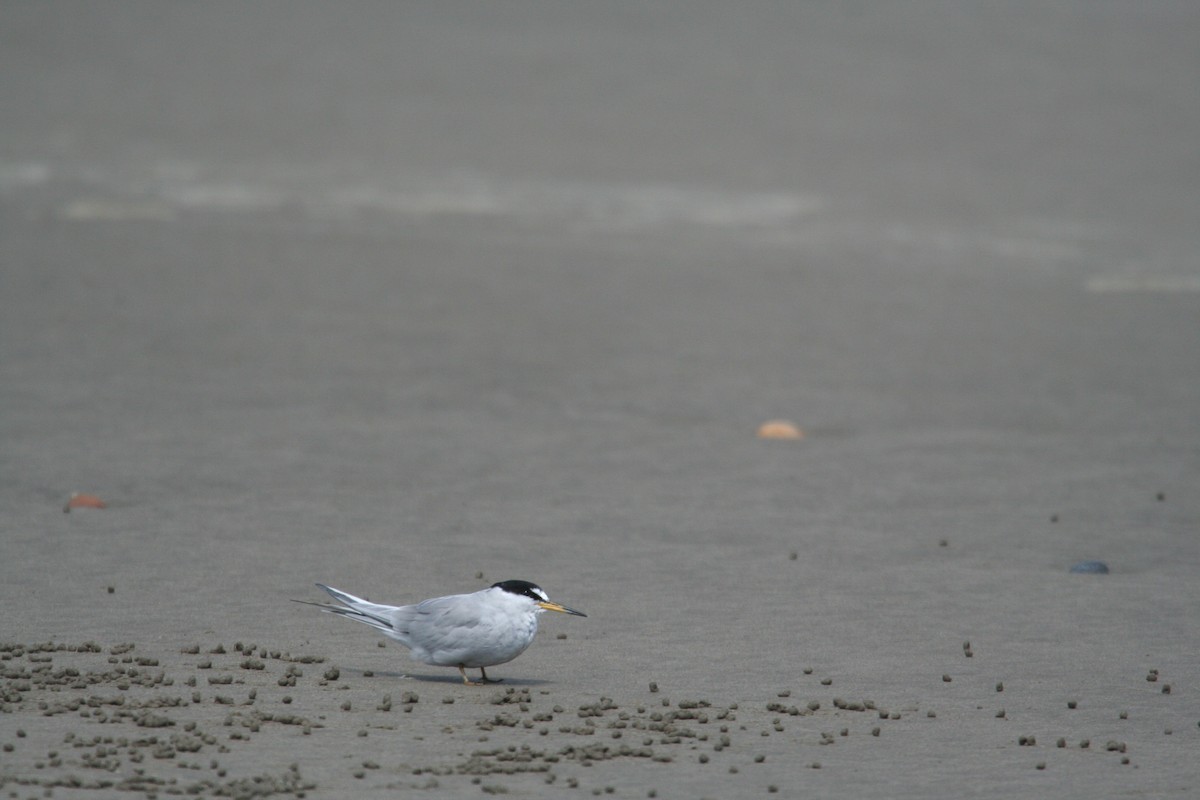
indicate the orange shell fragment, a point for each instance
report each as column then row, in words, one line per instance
column 780, row 429
column 79, row 500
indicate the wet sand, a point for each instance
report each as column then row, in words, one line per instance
column 398, row 300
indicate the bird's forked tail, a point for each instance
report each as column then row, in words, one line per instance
column 357, row 609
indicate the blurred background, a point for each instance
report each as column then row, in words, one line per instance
column 1037, row 128
column 389, row 294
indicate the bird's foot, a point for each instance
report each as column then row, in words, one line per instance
column 483, row 681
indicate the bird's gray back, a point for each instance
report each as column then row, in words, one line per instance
column 459, row 629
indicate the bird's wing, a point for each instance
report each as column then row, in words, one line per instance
column 444, row 628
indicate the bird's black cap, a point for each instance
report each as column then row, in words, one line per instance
column 523, row 588
column 534, row 593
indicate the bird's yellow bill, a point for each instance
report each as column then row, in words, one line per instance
column 562, row 608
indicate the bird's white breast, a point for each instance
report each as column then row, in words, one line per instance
column 479, row 630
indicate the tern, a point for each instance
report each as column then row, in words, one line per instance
column 469, row 631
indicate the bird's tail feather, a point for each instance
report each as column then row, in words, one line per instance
column 357, row 609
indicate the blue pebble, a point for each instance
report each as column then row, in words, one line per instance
column 1090, row 568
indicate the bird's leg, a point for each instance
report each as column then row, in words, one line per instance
column 481, row 682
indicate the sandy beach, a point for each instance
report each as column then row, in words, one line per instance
column 413, row 299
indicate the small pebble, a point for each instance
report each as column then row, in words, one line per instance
column 1090, row 568
column 779, row 429
column 1072, row 704
column 653, row 686
column 946, row 678
column 1000, row 687
column 112, row 589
